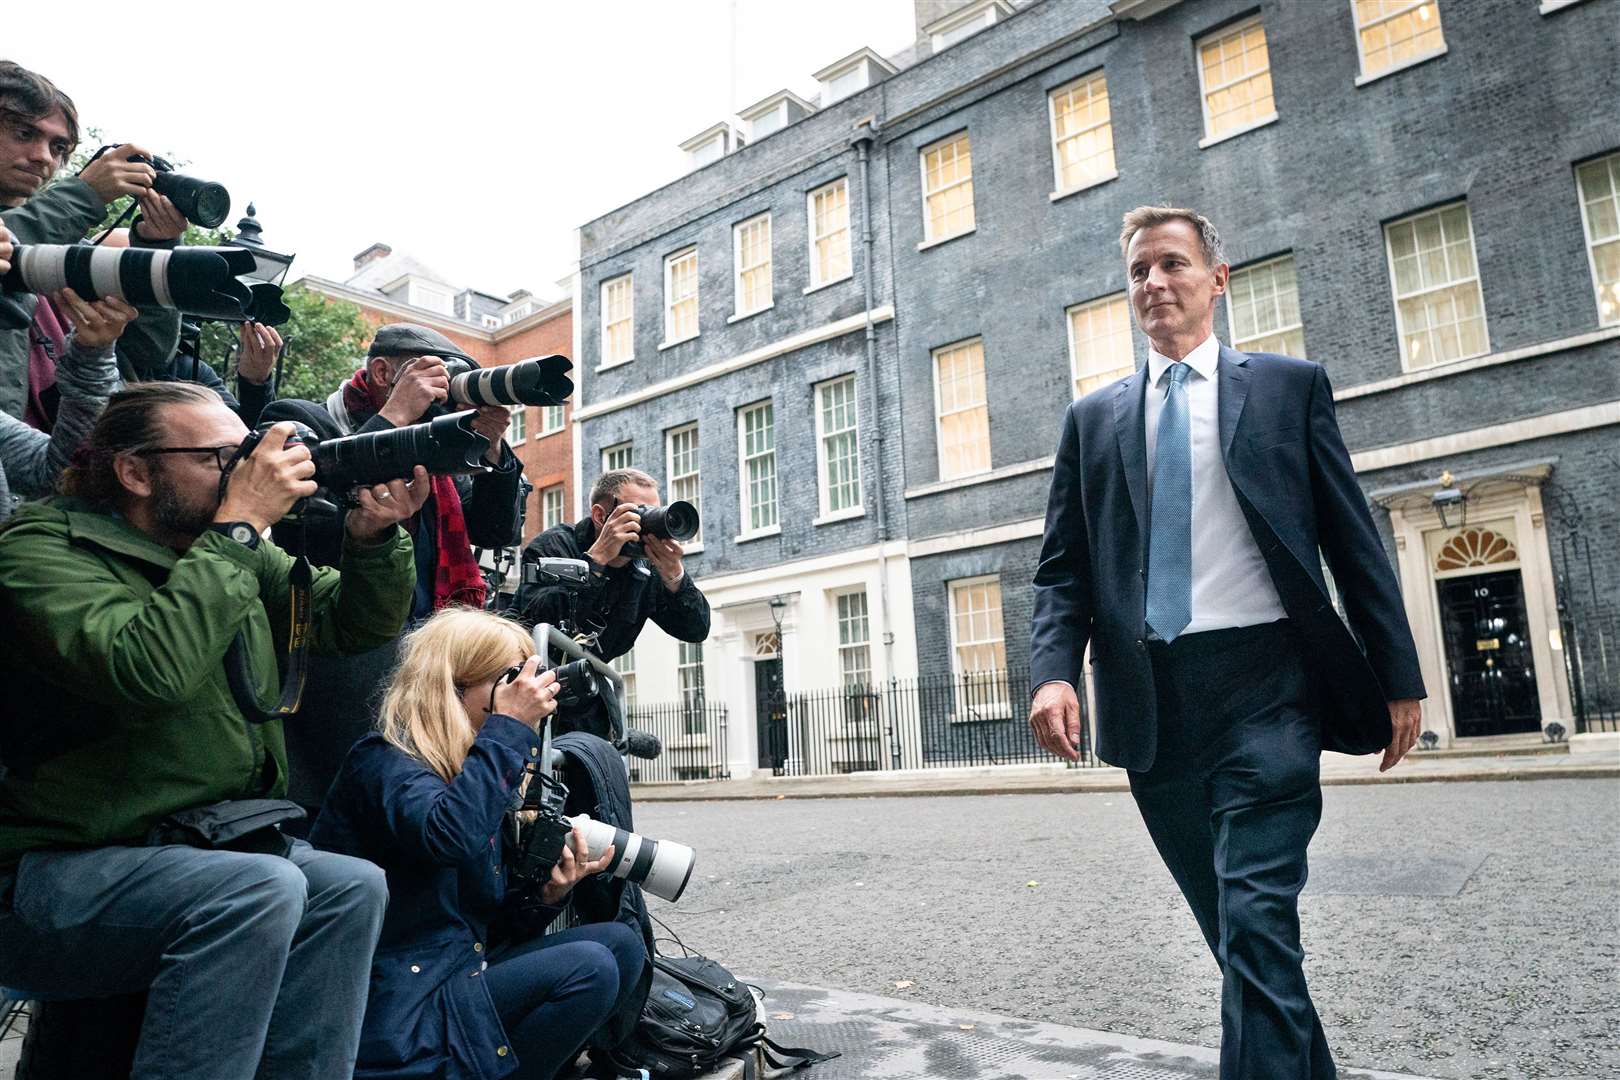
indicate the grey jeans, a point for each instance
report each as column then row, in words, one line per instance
column 255, row 966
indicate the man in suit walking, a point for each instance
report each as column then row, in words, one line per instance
column 1192, row 504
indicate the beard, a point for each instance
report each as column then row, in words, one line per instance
column 179, row 511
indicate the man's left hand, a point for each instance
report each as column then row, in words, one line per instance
column 491, row 422
column 1405, row 719
column 256, row 357
column 160, row 219
column 383, row 506
column 665, row 555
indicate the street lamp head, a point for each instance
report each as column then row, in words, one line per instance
column 778, row 607
column 269, row 266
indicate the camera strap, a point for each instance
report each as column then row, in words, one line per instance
column 301, row 616
column 239, row 673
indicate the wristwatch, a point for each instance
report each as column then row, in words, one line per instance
column 240, row 531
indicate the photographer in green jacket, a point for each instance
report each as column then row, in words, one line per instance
column 119, row 605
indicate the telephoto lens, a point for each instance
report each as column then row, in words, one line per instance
column 539, row 381
column 197, row 280
column 445, row 446
column 662, row 867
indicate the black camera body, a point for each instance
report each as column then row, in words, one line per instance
column 203, row 202
column 677, row 521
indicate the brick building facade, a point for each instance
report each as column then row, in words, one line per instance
column 1408, row 197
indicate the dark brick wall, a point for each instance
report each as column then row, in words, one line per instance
column 1488, row 122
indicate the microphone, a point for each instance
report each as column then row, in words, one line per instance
column 642, row 744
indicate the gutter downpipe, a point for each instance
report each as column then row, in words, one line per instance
column 866, row 134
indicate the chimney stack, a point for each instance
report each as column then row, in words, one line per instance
column 371, row 255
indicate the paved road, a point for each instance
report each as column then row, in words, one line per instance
column 1466, row 931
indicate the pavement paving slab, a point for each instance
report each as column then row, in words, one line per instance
column 883, row 1038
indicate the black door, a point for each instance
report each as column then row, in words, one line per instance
column 1493, row 678
column 770, row 713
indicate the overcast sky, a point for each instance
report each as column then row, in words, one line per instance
column 474, row 135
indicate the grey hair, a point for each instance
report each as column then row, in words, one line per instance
column 1146, row 217
column 608, row 485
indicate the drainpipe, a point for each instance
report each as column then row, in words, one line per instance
column 865, row 136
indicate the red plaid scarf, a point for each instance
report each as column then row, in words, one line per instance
column 456, row 579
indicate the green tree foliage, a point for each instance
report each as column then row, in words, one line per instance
column 326, row 338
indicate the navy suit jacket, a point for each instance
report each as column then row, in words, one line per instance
column 1298, row 492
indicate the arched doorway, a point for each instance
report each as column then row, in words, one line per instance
column 1485, row 627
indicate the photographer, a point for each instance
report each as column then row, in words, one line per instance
column 39, row 129
column 624, row 592
column 453, row 995
column 403, row 378
column 123, row 605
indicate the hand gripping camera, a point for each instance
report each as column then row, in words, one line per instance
column 661, row 867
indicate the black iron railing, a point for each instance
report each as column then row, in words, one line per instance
column 694, row 738
column 938, row 721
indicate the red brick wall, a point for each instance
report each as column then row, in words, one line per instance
column 547, row 460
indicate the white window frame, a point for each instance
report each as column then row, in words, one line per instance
column 839, row 599
column 999, row 710
column 609, row 452
column 744, row 484
column 1231, row 322
column 823, row 491
column 939, row 416
column 816, row 281
column 737, row 268
column 625, row 665
column 696, row 498
column 1210, row 138
column 553, row 418
column 546, row 521
column 629, row 320
column 1059, row 188
column 1357, row 26
column 517, row 425
column 1586, row 230
column 418, row 291
column 683, row 666
column 669, row 302
column 1394, row 289
column 929, row 239
column 1074, row 352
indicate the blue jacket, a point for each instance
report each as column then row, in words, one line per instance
column 440, row 844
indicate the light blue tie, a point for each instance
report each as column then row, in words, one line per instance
column 1169, row 580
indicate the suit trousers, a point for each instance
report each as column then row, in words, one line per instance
column 1231, row 802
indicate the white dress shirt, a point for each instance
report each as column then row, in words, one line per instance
column 1230, row 583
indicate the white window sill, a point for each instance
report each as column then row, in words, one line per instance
column 926, row 244
column 689, row 742
column 1550, row 6
column 549, row 434
column 774, row 530
column 850, row 514
column 1408, row 369
column 825, row 284
column 692, row 549
column 1210, row 140
column 516, row 442
column 662, row 345
column 617, row 363
column 1363, row 80
column 1099, row 182
column 741, row 315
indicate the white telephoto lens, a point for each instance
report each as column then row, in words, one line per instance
column 661, row 867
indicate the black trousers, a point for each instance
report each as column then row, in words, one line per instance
column 1231, row 803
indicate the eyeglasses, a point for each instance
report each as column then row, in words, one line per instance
column 222, row 454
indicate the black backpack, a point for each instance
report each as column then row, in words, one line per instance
column 697, row 1015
